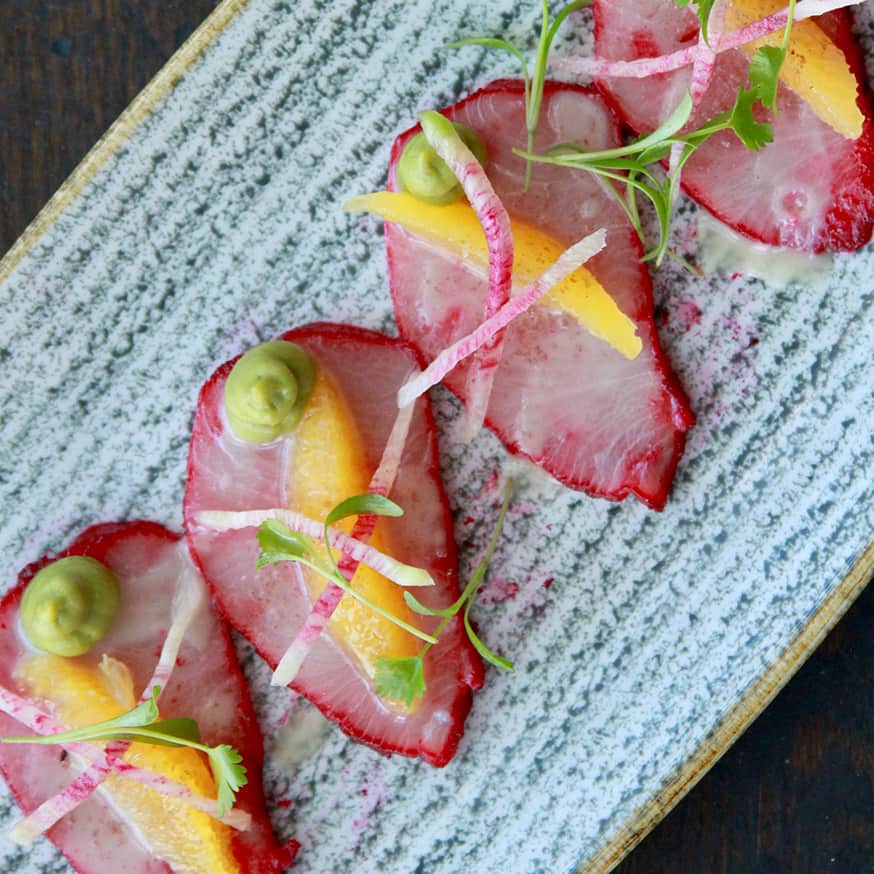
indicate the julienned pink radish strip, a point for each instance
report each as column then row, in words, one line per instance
column 643, row 68
column 702, row 74
column 186, row 601
column 380, row 483
column 48, row 813
column 571, row 259
column 356, row 550
column 52, row 809
column 495, row 222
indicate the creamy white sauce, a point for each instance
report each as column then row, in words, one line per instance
column 534, row 481
column 303, row 733
column 722, row 250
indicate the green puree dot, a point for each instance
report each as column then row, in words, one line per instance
column 424, row 174
column 69, row 605
column 267, row 391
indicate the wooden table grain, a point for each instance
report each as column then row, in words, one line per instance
column 795, row 794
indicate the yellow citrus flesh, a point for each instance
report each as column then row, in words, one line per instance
column 456, row 228
column 189, row 841
column 328, row 466
column 815, row 68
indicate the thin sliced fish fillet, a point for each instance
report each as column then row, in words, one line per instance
column 268, row 606
column 811, row 189
column 206, row 685
column 561, row 398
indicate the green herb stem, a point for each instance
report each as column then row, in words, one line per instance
column 468, row 596
column 336, row 576
column 533, row 84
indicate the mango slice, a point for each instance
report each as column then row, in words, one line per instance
column 815, row 68
column 189, row 841
column 328, row 464
column 456, row 228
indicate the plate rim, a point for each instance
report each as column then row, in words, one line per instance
column 759, row 693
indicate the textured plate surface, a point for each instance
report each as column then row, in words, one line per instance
column 642, row 641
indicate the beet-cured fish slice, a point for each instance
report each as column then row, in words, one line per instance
column 594, row 418
column 125, row 825
column 330, row 455
column 812, row 189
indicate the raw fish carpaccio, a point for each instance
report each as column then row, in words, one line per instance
column 362, row 370
column 812, row 189
column 205, row 684
column 561, row 397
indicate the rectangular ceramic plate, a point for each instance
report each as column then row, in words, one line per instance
column 209, row 218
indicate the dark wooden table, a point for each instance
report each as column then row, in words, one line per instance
column 795, row 794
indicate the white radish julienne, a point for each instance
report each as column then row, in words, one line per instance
column 702, row 73
column 390, row 568
column 43, row 723
column 495, row 221
column 569, row 261
column 381, row 483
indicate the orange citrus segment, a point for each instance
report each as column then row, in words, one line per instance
column 189, row 841
column 328, row 465
column 456, row 228
column 815, row 68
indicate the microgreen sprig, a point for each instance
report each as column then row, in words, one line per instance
column 401, row 678
column 533, row 84
column 631, row 165
column 404, row 678
column 279, row 543
column 766, row 64
column 143, row 724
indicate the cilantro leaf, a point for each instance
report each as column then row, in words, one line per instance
column 402, row 679
column 764, row 73
column 229, row 773
column 141, row 724
column 753, row 134
column 766, row 64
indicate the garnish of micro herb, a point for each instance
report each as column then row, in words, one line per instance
column 143, row 724
column 533, row 84
column 403, row 679
column 630, row 165
column 279, row 543
column 766, row 62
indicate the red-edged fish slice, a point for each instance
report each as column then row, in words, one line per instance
column 268, row 606
column 206, row 685
column 561, row 398
column 811, row 189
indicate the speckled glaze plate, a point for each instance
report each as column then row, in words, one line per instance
column 209, row 219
